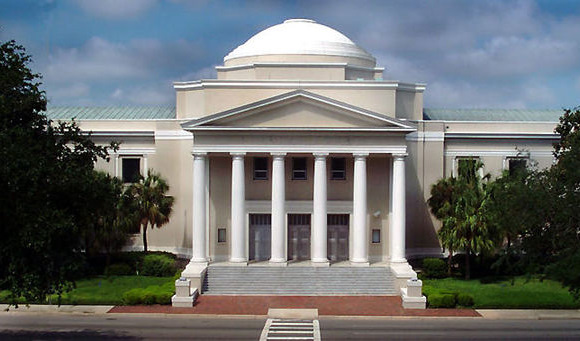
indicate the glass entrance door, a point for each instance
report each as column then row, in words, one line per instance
column 337, row 237
column 260, row 236
column 298, row 236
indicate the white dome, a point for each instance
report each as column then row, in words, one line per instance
column 300, row 37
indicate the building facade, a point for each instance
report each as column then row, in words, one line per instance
column 299, row 152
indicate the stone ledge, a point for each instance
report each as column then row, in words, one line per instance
column 185, row 302
column 413, row 302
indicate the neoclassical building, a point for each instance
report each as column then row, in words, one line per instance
column 300, row 155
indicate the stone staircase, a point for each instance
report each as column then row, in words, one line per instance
column 298, row 280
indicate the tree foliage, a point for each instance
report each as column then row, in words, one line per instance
column 46, row 181
column 152, row 204
column 461, row 205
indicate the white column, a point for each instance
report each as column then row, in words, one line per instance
column 199, row 211
column 145, row 165
column 278, row 253
column 239, row 244
column 360, row 242
column 397, row 225
column 319, row 214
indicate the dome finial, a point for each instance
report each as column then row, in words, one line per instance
column 299, row 20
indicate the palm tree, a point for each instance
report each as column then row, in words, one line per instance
column 152, row 204
column 460, row 204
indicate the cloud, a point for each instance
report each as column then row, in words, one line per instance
column 116, row 9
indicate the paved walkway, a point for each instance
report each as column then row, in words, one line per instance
column 326, row 305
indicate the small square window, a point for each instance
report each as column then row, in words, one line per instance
column 260, row 168
column 376, row 236
column 516, row 165
column 131, row 169
column 299, row 168
column 337, row 168
column 221, row 235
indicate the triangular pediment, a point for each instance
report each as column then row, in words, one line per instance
column 298, row 109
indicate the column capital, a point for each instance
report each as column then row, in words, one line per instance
column 199, row 155
column 320, row 155
column 360, row 156
column 238, row 155
column 400, row 156
column 278, row 155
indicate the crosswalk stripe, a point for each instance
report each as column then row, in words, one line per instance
column 287, row 329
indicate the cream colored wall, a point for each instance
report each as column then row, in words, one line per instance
column 201, row 102
column 296, row 113
column 356, row 74
column 299, row 59
column 220, row 204
column 301, row 73
column 378, row 199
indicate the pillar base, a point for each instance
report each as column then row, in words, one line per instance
column 320, row 262
column 360, row 263
column 238, row 262
column 278, row 262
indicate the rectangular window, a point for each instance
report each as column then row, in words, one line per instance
column 376, row 236
column 260, row 168
column 337, row 168
column 299, row 168
column 466, row 167
column 131, row 169
column 221, row 235
column 516, row 165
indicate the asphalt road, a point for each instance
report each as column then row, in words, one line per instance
column 138, row 327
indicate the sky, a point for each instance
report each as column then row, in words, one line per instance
column 471, row 54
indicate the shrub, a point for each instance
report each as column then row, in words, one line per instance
column 158, row 265
column 119, row 269
column 155, row 294
column 465, row 300
column 442, row 301
column 434, row 268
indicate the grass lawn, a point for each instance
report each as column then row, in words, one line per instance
column 104, row 290
column 523, row 294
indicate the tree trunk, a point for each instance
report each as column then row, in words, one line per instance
column 145, row 237
column 467, row 270
column 449, row 262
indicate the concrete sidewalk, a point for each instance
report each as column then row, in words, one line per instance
column 529, row 314
column 495, row 314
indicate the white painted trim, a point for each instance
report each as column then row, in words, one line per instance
column 293, row 64
column 278, row 84
column 426, row 136
column 298, row 207
column 503, row 152
column 124, row 133
column 535, row 136
column 172, row 135
column 393, row 149
column 494, row 122
column 135, row 151
column 224, row 128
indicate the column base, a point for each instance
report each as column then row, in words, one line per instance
column 238, row 262
column 360, row 263
column 199, row 261
column 278, row 262
column 320, row 262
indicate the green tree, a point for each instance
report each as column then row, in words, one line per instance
column 46, row 172
column 152, row 204
column 461, row 205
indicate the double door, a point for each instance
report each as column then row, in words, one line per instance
column 337, row 237
column 298, row 236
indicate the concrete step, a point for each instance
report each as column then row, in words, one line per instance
column 300, row 280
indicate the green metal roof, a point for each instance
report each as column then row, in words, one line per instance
column 150, row 112
column 519, row 115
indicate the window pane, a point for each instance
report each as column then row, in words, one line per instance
column 131, row 170
column 338, row 168
column 516, row 165
column 376, row 236
column 260, row 168
column 221, row 235
column 299, row 168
